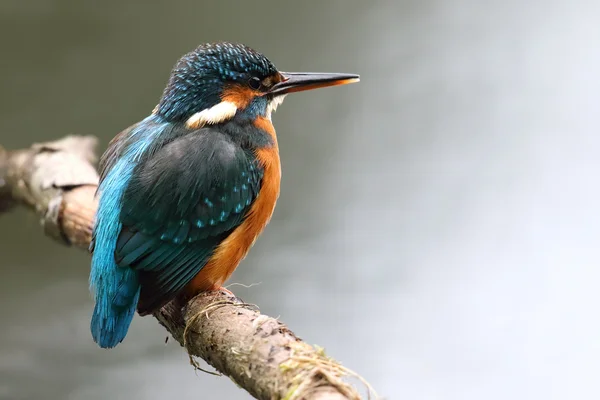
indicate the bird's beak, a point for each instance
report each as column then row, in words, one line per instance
column 299, row 81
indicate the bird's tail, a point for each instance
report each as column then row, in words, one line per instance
column 117, row 295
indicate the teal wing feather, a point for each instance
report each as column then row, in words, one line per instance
column 179, row 205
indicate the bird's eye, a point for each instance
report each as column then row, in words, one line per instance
column 255, row 83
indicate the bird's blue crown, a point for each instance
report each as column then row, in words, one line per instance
column 198, row 78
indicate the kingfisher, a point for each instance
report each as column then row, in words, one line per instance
column 185, row 192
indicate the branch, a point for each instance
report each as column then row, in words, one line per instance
column 259, row 353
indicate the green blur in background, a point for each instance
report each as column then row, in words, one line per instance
column 438, row 225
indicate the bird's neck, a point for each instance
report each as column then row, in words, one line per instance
column 250, row 126
column 247, row 124
column 251, row 133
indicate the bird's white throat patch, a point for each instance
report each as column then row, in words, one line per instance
column 273, row 104
column 221, row 112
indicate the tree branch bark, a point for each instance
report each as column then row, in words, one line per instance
column 260, row 354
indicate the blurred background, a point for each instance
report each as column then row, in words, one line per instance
column 438, row 227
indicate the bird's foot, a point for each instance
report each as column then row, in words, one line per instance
column 236, row 300
column 222, row 289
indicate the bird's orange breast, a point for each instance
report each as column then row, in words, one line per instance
column 234, row 248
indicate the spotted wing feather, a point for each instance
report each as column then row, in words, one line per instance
column 180, row 204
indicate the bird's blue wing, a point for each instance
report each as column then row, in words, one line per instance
column 180, row 203
column 116, row 290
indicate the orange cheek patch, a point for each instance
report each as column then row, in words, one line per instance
column 239, row 95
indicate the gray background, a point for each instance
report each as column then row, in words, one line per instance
column 438, row 224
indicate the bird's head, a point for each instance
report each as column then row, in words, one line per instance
column 216, row 81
